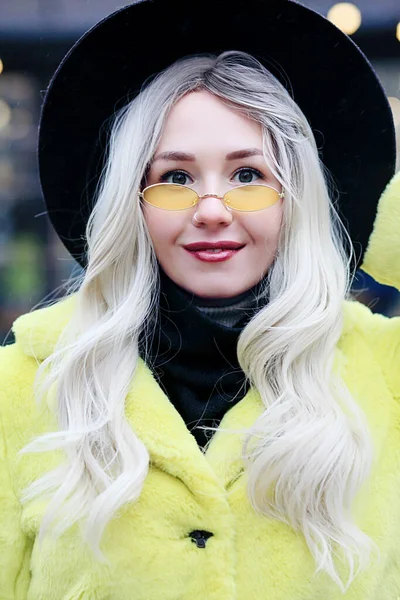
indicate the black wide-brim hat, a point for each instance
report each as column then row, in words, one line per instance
column 325, row 72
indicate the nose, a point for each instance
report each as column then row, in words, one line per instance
column 211, row 211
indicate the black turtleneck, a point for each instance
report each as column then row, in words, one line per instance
column 193, row 352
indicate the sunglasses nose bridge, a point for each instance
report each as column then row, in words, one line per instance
column 221, row 198
column 210, row 196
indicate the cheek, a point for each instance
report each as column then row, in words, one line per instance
column 267, row 227
column 162, row 228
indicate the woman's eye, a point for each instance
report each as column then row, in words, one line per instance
column 246, row 175
column 178, row 177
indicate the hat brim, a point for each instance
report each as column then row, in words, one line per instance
column 325, row 72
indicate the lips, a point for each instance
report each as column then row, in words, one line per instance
column 212, row 256
column 220, row 245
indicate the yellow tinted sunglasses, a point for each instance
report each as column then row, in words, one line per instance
column 247, row 198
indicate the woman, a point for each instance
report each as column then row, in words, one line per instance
column 223, row 423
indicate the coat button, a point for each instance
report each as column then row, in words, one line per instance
column 200, row 537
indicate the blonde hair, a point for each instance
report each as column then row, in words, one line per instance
column 312, row 440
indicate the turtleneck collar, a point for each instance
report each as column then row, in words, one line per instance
column 229, row 312
column 193, row 355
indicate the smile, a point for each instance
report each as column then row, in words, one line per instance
column 214, row 255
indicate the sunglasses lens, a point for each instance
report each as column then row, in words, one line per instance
column 251, row 197
column 170, row 196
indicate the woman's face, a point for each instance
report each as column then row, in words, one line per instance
column 201, row 125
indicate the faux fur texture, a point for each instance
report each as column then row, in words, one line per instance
column 248, row 556
column 382, row 258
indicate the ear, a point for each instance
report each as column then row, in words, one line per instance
column 382, row 257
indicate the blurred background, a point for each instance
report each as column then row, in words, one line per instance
column 34, row 37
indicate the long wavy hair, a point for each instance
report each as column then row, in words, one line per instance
column 312, row 443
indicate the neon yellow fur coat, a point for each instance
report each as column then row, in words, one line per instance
column 249, row 556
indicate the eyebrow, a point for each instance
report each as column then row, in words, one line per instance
column 183, row 156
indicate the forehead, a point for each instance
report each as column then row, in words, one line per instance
column 201, row 117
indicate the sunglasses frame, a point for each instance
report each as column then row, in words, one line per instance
column 141, row 195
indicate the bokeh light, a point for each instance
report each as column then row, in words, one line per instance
column 395, row 106
column 5, row 114
column 6, row 175
column 346, row 16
